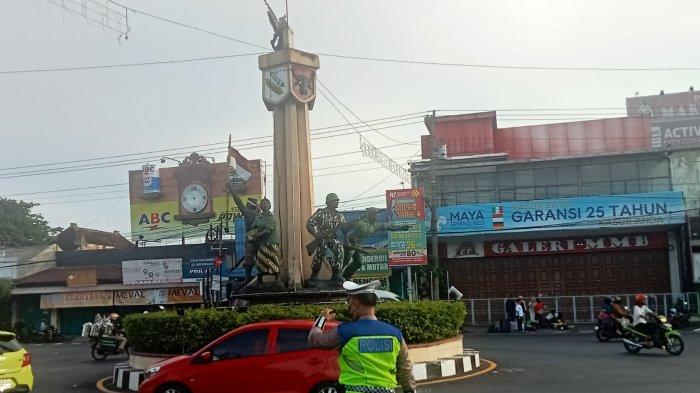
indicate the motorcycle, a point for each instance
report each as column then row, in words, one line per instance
column 679, row 316
column 607, row 327
column 664, row 337
column 103, row 344
column 43, row 336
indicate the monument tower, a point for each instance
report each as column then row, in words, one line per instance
column 289, row 90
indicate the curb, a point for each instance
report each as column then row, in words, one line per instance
column 490, row 367
column 442, row 370
column 101, row 386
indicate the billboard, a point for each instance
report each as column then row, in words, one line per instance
column 144, row 297
column 151, row 179
column 152, row 271
column 675, row 119
column 168, row 213
column 611, row 211
column 75, row 299
column 375, row 264
column 407, row 207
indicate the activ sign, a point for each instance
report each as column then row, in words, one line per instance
column 407, row 207
column 660, row 208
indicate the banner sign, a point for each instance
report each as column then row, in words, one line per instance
column 141, row 297
column 407, row 207
column 696, row 268
column 675, row 118
column 76, row 299
column 629, row 210
column 576, row 245
column 82, row 278
column 152, row 271
column 374, row 265
column 196, row 269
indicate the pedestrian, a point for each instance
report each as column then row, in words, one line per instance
column 373, row 354
column 539, row 312
column 531, row 308
column 520, row 313
column 510, row 308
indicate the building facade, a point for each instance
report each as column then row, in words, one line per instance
column 580, row 208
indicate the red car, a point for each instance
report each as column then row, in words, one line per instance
column 260, row 357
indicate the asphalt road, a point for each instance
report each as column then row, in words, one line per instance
column 529, row 362
column 573, row 363
column 68, row 367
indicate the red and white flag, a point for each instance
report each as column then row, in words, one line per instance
column 497, row 217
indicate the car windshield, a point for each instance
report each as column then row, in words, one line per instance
column 8, row 344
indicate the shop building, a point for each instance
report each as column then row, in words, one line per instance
column 578, row 208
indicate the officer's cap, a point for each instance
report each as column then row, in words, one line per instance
column 356, row 289
column 332, row 197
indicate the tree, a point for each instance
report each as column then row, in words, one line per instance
column 20, row 227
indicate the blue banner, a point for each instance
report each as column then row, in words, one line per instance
column 197, row 268
column 660, row 208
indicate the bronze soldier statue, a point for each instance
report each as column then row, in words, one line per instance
column 323, row 225
column 264, row 233
column 250, row 211
column 361, row 229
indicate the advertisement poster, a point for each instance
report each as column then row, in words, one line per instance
column 675, row 117
column 659, row 208
column 407, row 207
column 195, row 270
column 374, row 265
column 152, row 271
column 144, row 297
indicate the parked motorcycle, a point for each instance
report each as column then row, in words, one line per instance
column 665, row 338
column 43, row 336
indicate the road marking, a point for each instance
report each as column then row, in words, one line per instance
column 102, row 388
column 491, row 367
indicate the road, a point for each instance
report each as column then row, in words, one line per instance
column 68, row 367
column 529, row 362
column 576, row 363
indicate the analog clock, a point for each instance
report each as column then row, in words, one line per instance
column 194, row 198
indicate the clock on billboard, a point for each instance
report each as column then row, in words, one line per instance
column 194, row 198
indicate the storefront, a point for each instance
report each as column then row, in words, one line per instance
column 574, row 246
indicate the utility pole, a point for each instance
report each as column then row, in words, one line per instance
column 433, row 205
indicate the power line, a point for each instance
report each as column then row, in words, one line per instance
column 123, row 65
column 67, row 189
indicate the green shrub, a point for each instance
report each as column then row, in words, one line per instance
column 166, row 332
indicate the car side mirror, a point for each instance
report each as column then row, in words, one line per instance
column 204, row 357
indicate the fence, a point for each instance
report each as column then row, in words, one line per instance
column 576, row 309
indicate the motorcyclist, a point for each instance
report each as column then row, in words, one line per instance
column 643, row 317
column 46, row 329
column 620, row 314
column 118, row 330
column 607, row 304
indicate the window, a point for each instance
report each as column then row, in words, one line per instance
column 525, row 194
column 595, row 173
column 506, row 195
column 546, row 177
column 660, row 185
column 602, row 188
column 623, row 170
column 506, row 179
column 567, row 175
column 289, row 340
column 653, row 168
column 485, row 181
column 8, row 344
column 486, row 196
column 618, row 187
column 252, row 343
column 465, row 197
column 447, row 199
column 524, row 178
column 568, row 191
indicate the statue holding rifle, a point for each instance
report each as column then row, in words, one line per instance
column 324, row 225
column 361, row 229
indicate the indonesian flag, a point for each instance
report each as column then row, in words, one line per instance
column 241, row 168
column 497, row 217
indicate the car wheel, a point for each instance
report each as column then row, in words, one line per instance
column 326, row 387
column 173, row 389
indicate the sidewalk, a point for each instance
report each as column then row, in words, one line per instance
column 580, row 328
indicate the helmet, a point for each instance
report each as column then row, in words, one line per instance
column 616, row 299
column 640, row 299
column 608, row 300
column 332, row 197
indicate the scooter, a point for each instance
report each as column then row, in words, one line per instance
column 104, row 346
column 665, row 338
column 679, row 316
column 43, row 337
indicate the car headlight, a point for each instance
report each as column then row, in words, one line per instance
column 663, row 319
column 152, row 370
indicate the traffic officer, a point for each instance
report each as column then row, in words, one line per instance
column 373, row 354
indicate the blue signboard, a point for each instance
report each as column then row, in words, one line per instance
column 660, row 208
column 197, row 268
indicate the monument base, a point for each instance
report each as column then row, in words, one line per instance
column 323, row 284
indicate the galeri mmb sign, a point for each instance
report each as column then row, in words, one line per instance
column 407, row 207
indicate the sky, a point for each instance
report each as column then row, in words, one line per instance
column 52, row 117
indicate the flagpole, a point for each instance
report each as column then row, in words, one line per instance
column 228, row 180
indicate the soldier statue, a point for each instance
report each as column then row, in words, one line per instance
column 324, row 225
column 264, row 233
column 250, row 211
column 361, row 229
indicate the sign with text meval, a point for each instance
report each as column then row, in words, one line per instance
column 675, row 118
column 407, row 207
column 152, row 271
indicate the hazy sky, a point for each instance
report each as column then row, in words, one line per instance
column 62, row 116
